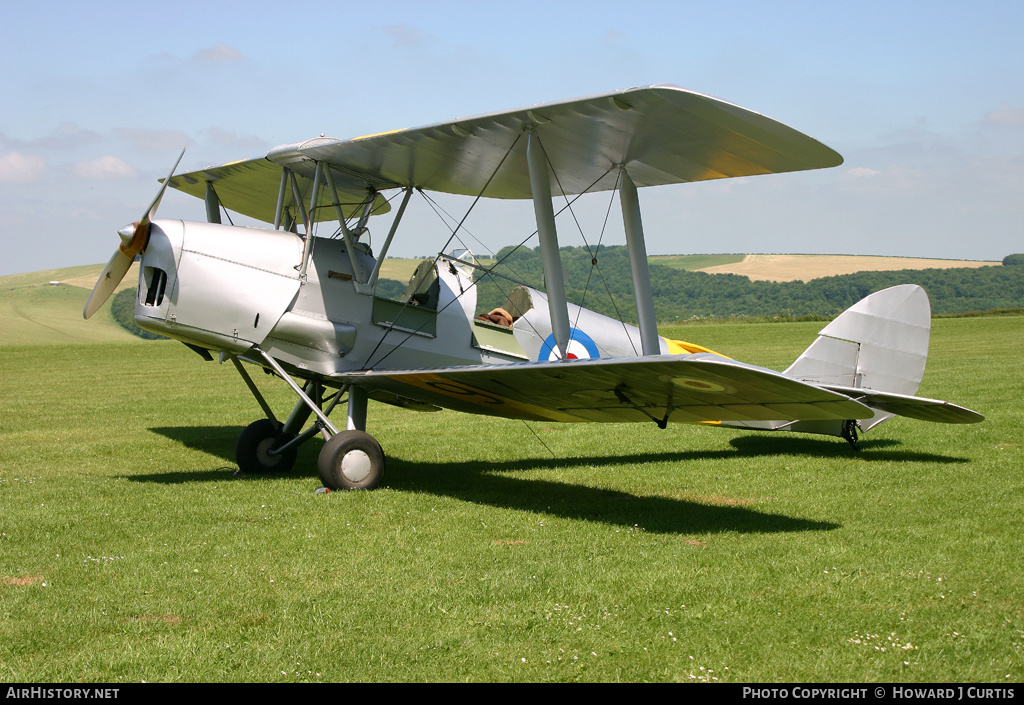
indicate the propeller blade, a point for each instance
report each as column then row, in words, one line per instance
column 112, row 275
column 134, row 238
column 148, row 218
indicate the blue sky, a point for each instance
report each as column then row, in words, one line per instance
column 925, row 101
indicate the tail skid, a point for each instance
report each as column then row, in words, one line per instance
column 875, row 352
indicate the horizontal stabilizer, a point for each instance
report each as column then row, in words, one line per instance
column 881, row 342
column 919, row 408
column 875, row 352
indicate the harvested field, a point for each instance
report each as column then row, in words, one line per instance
column 86, row 279
column 783, row 268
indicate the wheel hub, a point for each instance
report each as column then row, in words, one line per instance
column 356, row 465
column 263, row 452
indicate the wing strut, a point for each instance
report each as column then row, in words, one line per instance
column 212, row 204
column 307, row 247
column 372, row 283
column 281, row 195
column 554, row 278
column 350, row 238
column 649, row 339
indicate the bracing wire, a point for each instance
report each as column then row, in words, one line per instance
column 438, row 256
column 487, row 271
column 539, row 438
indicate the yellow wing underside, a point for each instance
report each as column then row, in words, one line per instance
column 693, row 389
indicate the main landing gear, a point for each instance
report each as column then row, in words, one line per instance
column 849, row 433
column 261, row 449
column 351, row 459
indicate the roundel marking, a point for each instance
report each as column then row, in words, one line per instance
column 581, row 347
column 698, row 385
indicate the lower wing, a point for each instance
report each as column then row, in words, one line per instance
column 696, row 388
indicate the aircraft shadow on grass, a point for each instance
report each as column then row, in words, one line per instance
column 503, row 484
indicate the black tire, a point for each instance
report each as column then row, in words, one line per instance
column 252, row 446
column 351, row 460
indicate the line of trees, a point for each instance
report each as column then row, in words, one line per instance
column 122, row 308
column 602, row 281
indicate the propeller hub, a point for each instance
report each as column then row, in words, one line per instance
column 138, row 238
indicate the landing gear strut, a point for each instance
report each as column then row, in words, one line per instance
column 351, row 459
column 849, row 432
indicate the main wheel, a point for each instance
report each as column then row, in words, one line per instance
column 351, row 460
column 252, row 451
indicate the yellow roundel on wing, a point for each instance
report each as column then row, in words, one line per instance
column 681, row 347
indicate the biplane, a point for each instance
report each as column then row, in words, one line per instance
column 307, row 309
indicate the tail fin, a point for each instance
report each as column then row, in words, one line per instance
column 879, row 343
column 876, row 352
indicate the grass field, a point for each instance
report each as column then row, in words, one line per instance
column 504, row 552
column 696, row 262
column 43, row 314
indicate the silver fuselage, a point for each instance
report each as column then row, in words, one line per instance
column 227, row 289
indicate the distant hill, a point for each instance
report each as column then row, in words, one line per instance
column 779, row 268
column 34, row 311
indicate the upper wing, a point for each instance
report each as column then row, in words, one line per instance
column 694, row 388
column 251, row 187
column 662, row 134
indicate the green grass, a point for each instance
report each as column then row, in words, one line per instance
column 129, row 551
column 44, row 314
column 398, row 268
column 692, row 263
column 33, row 312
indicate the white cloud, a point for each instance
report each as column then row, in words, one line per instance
column 107, row 167
column 861, row 172
column 17, row 167
column 217, row 54
column 87, row 214
column 403, row 35
column 888, row 179
column 152, row 139
column 1006, row 116
column 235, row 140
column 67, row 136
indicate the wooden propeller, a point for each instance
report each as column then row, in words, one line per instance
column 134, row 239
